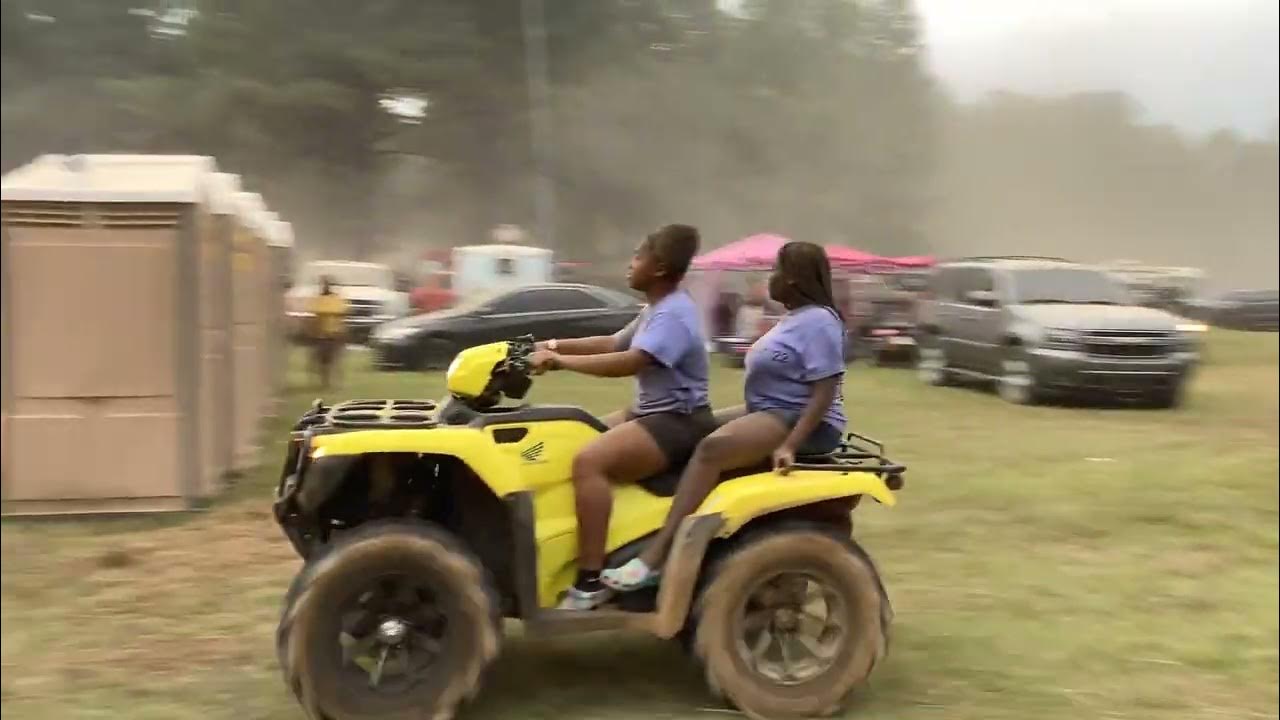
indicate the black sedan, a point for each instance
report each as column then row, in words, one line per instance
column 429, row 341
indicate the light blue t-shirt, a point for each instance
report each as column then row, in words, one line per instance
column 807, row 345
column 670, row 332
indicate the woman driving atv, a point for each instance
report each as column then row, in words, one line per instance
column 665, row 350
column 793, row 393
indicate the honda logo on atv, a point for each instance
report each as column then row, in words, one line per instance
column 533, row 452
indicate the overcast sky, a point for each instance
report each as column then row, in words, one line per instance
column 1198, row 64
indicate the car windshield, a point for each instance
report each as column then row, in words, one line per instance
column 349, row 275
column 480, row 300
column 1068, row 286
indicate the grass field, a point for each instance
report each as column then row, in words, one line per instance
column 1044, row 563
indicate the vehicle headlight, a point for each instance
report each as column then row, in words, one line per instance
column 1060, row 339
column 393, row 334
column 1192, row 327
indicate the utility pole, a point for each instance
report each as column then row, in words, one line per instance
column 533, row 23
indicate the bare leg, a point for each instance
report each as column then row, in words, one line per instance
column 627, row 454
column 742, row 442
column 614, row 419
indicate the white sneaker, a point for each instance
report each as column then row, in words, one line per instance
column 577, row 599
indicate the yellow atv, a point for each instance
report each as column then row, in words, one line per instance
column 423, row 525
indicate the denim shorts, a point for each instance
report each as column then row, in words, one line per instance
column 824, row 438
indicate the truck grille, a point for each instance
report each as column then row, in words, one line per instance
column 1130, row 343
column 363, row 308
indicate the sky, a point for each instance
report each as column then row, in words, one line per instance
column 1198, row 64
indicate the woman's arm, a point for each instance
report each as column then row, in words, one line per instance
column 824, row 392
column 582, row 346
column 609, row 364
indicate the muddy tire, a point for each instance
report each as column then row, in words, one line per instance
column 761, row 601
column 397, row 620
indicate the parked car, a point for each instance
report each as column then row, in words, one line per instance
column 1041, row 327
column 430, row 341
column 883, row 322
column 1237, row 310
column 372, row 291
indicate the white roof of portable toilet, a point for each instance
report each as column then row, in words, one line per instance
column 221, row 190
column 281, row 235
column 250, row 209
column 109, row 179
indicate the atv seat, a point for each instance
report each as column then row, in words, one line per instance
column 664, row 484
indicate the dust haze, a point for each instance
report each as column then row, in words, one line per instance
column 829, row 121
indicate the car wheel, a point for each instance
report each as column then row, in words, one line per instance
column 931, row 364
column 1167, row 398
column 1016, row 383
column 435, row 354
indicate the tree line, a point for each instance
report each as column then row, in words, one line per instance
column 817, row 119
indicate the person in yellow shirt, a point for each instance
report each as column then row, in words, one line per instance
column 329, row 332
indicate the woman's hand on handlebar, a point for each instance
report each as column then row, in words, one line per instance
column 541, row 360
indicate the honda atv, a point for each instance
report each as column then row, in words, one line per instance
column 422, row 525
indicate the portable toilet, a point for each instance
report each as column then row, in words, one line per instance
column 216, row 391
column 249, row 268
column 102, row 333
column 280, row 254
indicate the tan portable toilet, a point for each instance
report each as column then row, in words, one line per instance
column 102, row 343
column 281, row 254
column 249, row 268
column 218, row 370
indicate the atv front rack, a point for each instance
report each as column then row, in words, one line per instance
column 364, row 414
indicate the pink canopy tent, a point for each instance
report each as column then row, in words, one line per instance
column 758, row 252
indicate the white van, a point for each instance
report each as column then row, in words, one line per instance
column 484, row 268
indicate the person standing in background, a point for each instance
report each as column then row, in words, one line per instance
column 329, row 332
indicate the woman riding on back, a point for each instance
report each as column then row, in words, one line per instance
column 793, row 393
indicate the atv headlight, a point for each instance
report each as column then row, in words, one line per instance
column 1192, row 327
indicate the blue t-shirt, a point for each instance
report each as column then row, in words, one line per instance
column 670, row 332
column 807, row 345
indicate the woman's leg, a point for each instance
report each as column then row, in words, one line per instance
column 746, row 440
column 626, row 453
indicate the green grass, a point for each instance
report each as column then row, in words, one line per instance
column 1044, row 563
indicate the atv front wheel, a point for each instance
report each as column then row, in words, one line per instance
column 792, row 623
column 396, row 620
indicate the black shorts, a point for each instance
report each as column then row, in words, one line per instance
column 824, row 438
column 676, row 434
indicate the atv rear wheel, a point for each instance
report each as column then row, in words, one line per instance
column 397, row 620
column 792, row 623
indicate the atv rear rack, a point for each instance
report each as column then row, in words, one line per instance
column 857, row 453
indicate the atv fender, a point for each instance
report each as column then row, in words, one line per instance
column 741, row 500
column 471, row 446
column 731, row 506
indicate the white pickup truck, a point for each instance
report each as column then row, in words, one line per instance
column 369, row 289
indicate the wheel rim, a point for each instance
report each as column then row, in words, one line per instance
column 789, row 628
column 930, row 364
column 1015, row 380
column 391, row 635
